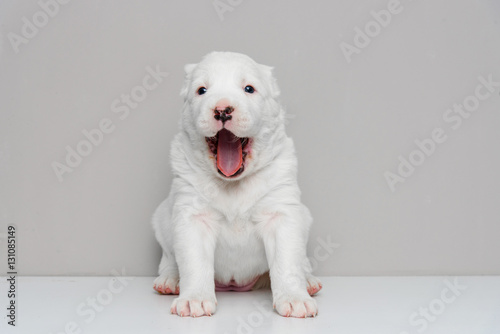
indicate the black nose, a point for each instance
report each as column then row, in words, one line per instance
column 223, row 115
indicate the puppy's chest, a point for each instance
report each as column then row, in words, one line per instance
column 236, row 209
column 234, row 218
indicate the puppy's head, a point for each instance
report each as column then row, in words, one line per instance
column 230, row 105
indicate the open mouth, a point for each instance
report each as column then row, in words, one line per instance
column 230, row 152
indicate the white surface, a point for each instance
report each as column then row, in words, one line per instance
column 347, row 305
column 350, row 122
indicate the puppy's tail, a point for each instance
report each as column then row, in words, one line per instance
column 264, row 282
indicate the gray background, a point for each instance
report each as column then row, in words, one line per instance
column 350, row 122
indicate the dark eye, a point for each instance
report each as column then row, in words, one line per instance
column 202, row 90
column 249, row 89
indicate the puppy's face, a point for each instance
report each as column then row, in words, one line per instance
column 230, row 103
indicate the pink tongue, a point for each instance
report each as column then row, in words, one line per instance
column 229, row 154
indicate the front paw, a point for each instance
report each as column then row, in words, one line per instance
column 297, row 306
column 194, row 306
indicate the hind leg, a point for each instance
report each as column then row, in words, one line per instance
column 168, row 281
column 313, row 284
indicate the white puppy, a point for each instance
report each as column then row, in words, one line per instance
column 234, row 216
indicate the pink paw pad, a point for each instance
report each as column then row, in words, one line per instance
column 165, row 290
column 314, row 289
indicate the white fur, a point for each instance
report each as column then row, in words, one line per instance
column 211, row 227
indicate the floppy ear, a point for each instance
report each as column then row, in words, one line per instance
column 267, row 72
column 189, row 70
